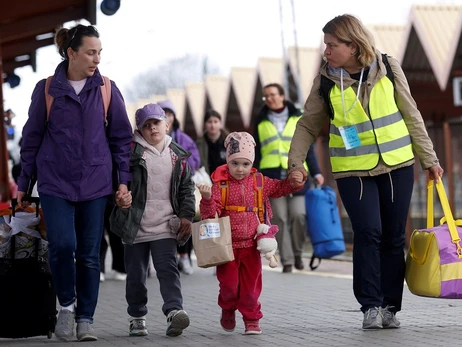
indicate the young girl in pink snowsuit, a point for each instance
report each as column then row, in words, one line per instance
column 241, row 280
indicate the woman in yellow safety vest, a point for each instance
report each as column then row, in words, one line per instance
column 375, row 128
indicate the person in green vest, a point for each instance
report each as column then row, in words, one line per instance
column 274, row 128
column 375, row 128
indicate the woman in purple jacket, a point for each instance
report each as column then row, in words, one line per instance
column 184, row 263
column 71, row 154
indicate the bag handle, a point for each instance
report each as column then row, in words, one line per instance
column 457, row 221
column 447, row 213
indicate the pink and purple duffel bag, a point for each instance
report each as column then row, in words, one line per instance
column 434, row 259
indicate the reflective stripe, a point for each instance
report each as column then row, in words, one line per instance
column 362, row 150
column 275, row 138
column 268, row 140
column 395, row 144
column 367, row 125
column 371, row 149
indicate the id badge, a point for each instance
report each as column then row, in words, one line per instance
column 350, row 136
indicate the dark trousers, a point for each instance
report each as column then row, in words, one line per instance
column 378, row 208
column 117, row 247
column 163, row 254
column 186, row 248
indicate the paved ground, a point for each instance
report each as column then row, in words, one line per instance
column 303, row 308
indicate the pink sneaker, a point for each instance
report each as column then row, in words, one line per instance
column 252, row 328
column 228, row 320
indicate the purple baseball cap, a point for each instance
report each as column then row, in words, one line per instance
column 149, row 111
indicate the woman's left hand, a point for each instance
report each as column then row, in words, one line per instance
column 435, row 172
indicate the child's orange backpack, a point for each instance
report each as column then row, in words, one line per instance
column 259, row 207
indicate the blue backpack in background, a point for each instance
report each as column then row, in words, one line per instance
column 323, row 223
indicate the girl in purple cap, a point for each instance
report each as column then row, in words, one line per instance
column 161, row 208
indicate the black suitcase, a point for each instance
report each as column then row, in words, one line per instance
column 27, row 295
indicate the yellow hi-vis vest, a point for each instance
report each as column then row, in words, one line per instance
column 275, row 147
column 383, row 134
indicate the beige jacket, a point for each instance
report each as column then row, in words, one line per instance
column 315, row 115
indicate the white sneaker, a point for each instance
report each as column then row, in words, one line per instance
column 373, row 319
column 389, row 320
column 177, row 321
column 119, row 276
column 101, row 277
column 138, row 326
column 185, row 266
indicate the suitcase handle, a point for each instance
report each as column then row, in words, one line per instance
column 14, row 203
column 31, row 199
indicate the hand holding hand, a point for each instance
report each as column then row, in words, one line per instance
column 435, row 172
column 205, row 190
column 123, row 199
column 297, row 178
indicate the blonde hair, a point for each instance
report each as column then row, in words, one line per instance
column 348, row 29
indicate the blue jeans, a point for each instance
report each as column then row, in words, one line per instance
column 74, row 231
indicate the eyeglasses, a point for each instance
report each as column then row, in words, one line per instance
column 266, row 97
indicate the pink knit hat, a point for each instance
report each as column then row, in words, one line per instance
column 240, row 145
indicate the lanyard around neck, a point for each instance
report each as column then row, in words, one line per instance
column 345, row 112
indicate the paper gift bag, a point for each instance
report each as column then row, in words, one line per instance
column 212, row 241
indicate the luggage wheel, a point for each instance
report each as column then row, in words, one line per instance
column 50, row 334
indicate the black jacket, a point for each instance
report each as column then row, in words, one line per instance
column 125, row 222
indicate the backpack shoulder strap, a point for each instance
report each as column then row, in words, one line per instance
column 259, row 182
column 324, row 91
column 48, row 98
column 258, row 207
column 106, row 94
column 223, row 185
column 390, row 74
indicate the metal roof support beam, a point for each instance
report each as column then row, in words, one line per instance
column 38, row 25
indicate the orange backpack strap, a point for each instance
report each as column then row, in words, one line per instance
column 258, row 207
column 224, row 192
column 48, row 98
column 105, row 94
column 259, row 182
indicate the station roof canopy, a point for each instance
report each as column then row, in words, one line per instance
column 27, row 25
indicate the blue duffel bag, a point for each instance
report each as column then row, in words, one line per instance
column 323, row 224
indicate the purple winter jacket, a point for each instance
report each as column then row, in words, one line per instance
column 188, row 144
column 72, row 155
